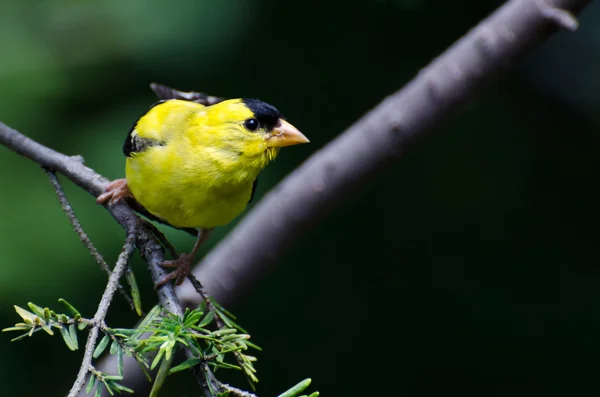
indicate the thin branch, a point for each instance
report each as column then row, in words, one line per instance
column 204, row 296
column 95, row 184
column 109, row 292
column 66, row 206
column 378, row 139
column 210, row 382
column 236, row 392
column 220, row 324
column 560, row 17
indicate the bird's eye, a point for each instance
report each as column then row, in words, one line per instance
column 251, row 124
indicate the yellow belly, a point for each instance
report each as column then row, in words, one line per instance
column 194, row 198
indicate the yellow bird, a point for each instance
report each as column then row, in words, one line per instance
column 192, row 162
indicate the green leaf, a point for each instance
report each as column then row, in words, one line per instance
column 236, row 337
column 189, row 363
column 147, row 321
column 39, row 311
column 169, row 347
column 120, row 388
column 108, row 388
column 21, row 337
column 210, row 316
column 161, row 376
column 17, row 328
column 222, row 332
column 224, row 365
column 192, row 318
column 68, row 306
column 231, row 349
column 252, row 345
column 157, row 359
column 253, row 379
column 222, row 309
column 230, row 323
column 47, row 328
column 193, row 346
column 297, row 389
column 126, row 332
column 47, row 314
column 120, row 361
column 98, row 391
column 135, row 291
column 113, row 377
column 101, row 346
column 73, row 332
column 113, row 347
column 67, row 338
column 27, row 316
column 144, row 367
column 90, row 384
column 248, row 358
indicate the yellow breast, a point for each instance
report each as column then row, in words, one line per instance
column 199, row 169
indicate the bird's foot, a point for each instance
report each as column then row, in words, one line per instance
column 115, row 190
column 183, row 264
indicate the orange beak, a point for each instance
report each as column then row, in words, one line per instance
column 285, row 134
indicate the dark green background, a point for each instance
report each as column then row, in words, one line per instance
column 469, row 268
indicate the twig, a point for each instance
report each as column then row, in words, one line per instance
column 237, row 392
column 220, row 324
column 95, row 184
column 204, row 296
column 212, row 383
column 66, row 206
column 562, row 18
column 379, row 138
column 109, row 292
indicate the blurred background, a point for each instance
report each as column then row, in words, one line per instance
column 470, row 267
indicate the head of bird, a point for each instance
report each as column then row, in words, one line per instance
column 251, row 129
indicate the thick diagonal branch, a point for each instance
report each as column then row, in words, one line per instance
column 379, row 138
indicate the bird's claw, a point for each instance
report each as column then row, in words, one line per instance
column 115, row 190
column 182, row 264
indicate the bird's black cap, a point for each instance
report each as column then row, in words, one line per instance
column 266, row 114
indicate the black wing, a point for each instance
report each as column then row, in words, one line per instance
column 136, row 144
column 163, row 92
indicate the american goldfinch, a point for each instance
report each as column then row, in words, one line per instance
column 192, row 162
